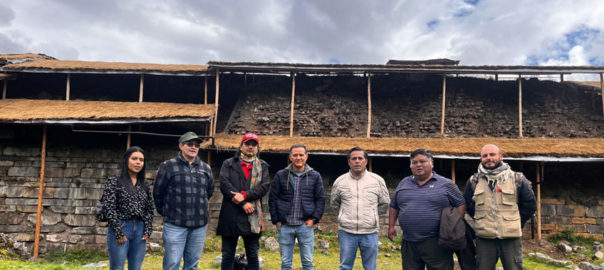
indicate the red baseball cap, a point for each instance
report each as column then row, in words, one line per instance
column 250, row 136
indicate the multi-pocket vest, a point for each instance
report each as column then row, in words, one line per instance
column 496, row 214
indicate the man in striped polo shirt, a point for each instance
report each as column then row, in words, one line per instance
column 418, row 202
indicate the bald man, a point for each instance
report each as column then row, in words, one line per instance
column 499, row 201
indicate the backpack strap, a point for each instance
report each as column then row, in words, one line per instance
column 474, row 181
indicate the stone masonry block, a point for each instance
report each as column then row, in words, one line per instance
column 48, row 218
column 22, row 151
column 570, row 210
column 55, row 237
column 6, row 163
column 595, row 229
column 580, row 220
column 83, row 230
column 548, row 210
column 24, row 171
column 93, row 173
column 595, row 211
column 60, row 172
column 77, row 193
column 80, row 220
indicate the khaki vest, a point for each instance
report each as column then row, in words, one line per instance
column 497, row 214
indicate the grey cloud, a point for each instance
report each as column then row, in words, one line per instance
column 6, row 15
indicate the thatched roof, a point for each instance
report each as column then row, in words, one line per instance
column 24, row 56
column 439, row 61
column 592, row 147
column 78, row 111
column 285, row 68
column 105, row 67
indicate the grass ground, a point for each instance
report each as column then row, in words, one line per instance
column 388, row 259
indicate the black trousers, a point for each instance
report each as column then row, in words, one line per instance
column 419, row 255
column 467, row 256
column 229, row 246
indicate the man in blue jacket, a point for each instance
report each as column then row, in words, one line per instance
column 296, row 203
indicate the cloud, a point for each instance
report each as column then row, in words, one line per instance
column 193, row 32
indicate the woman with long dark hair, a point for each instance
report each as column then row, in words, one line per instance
column 129, row 212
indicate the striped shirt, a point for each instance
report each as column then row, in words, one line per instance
column 420, row 207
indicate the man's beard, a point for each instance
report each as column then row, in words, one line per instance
column 493, row 167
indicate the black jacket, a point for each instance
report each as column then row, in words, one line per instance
column 233, row 221
column 282, row 194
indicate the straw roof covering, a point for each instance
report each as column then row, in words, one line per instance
column 24, row 56
column 406, row 67
column 26, row 110
column 591, row 147
column 103, row 67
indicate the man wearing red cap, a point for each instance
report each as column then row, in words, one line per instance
column 244, row 180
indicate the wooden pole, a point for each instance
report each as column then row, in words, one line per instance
column 129, row 140
column 291, row 109
column 209, row 158
column 370, row 163
column 216, row 101
column 40, row 195
column 4, row 89
column 601, row 89
column 496, row 77
column 442, row 114
column 539, row 201
column 205, row 90
column 453, row 170
column 561, row 78
column 68, row 86
column 369, row 105
column 520, row 106
column 140, row 91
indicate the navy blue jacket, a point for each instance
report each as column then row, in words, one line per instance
column 282, row 194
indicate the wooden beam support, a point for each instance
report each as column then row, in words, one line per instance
column 442, row 113
column 561, row 78
column 368, row 105
column 496, row 77
column 602, row 90
column 68, row 86
column 4, row 89
column 453, row 170
column 538, row 180
column 129, row 139
column 141, row 87
column 520, row 106
column 217, row 89
column 370, row 164
column 291, row 107
column 209, row 158
column 205, row 90
column 40, row 195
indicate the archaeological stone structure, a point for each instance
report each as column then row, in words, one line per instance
column 64, row 125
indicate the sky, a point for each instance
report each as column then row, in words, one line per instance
column 476, row 32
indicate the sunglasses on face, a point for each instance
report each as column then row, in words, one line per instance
column 250, row 142
column 192, row 144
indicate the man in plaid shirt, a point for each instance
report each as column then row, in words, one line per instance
column 183, row 186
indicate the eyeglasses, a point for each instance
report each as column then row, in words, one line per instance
column 192, row 144
column 251, row 142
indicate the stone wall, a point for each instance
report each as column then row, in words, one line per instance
column 410, row 106
column 75, row 176
column 560, row 214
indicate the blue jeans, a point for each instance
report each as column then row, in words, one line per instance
column 368, row 243
column 182, row 242
column 287, row 239
column 133, row 249
column 229, row 246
